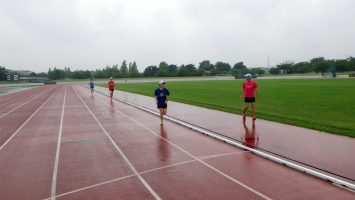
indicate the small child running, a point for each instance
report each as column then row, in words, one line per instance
column 162, row 97
column 92, row 86
column 111, row 87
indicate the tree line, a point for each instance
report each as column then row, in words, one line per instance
column 130, row 70
column 204, row 68
column 317, row 65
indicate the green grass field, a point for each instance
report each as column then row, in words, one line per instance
column 321, row 104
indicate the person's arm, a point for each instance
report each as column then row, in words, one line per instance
column 242, row 93
column 156, row 96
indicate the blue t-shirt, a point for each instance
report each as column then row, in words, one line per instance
column 161, row 95
column 92, row 85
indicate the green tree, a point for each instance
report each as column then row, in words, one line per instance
column 351, row 63
column 124, row 69
column 187, row 70
column 133, row 70
column 205, row 67
column 56, row 74
column 302, row 67
column 68, row 72
column 2, row 73
column 150, row 71
column 162, row 70
column 115, row 71
column 322, row 67
column 258, row 71
column 222, row 68
column 342, row 65
column 274, row 70
column 172, row 70
column 285, row 67
column 239, row 69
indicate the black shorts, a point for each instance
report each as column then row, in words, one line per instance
column 164, row 105
column 249, row 99
column 111, row 90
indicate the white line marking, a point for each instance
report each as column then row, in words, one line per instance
column 198, row 159
column 222, row 154
column 14, row 98
column 28, row 119
column 273, row 158
column 92, row 186
column 56, row 161
column 120, row 151
column 144, row 172
column 17, row 107
column 99, row 138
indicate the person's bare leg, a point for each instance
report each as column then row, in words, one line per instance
column 246, row 106
column 253, row 110
column 165, row 111
column 161, row 115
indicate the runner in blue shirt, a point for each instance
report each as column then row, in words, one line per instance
column 162, row 97
column 92, row 86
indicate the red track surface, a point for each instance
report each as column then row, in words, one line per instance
column 325, row 151
column 109, row 150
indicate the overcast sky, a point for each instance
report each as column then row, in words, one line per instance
column 88, row 34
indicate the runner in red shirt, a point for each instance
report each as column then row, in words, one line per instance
column 250, row 88
column 111, row 87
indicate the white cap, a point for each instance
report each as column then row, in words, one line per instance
column 111, row 78
column 161, row 82
column 248, row 76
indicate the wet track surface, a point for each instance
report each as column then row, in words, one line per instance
column 328, row 152
column 110, row 150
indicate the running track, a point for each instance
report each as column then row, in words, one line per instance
column 59, row 142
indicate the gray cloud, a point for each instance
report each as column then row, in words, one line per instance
column 93, row 33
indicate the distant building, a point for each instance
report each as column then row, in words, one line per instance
column 12, row 76
column 34, row 79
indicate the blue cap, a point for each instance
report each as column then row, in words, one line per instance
column 248, row 76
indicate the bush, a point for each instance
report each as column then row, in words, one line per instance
column 352, row 75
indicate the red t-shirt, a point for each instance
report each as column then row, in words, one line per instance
column 111, row 85
column 249, row 88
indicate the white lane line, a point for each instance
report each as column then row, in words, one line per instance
column 144, row 172
column 93, row 186
column 196, row 158
column 86, row 139
column 222, row 154
column 56, row 161
column 28, row 119
column 12, row 101
column 17, row 107
column 16, row 97
column 144, row 182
